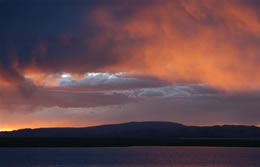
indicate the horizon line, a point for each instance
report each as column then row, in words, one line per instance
column 50, row 127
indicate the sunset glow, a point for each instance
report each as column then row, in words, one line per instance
column 6, row 130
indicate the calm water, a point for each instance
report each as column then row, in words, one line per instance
column 133, row 156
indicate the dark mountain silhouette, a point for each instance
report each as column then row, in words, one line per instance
column 135, row 130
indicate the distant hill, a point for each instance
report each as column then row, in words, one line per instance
column 155, row 130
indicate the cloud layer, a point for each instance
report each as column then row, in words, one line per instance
column 212, row 42
column 73, row 105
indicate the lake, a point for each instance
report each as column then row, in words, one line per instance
column 130, row 157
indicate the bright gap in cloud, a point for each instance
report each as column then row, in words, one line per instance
column 51, row 80
column 65, row 75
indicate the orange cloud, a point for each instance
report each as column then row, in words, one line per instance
column 213, row 42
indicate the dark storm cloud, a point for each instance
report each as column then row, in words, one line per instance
column 52, row 35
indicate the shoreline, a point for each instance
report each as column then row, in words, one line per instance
column 124, row 142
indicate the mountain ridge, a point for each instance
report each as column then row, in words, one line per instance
column 146, row 129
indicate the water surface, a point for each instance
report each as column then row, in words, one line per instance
column 130, row 157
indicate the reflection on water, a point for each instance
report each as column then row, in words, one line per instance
column 131, row 156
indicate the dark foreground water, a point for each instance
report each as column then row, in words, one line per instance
column 130, row 157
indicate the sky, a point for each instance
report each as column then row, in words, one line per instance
column 77, row 63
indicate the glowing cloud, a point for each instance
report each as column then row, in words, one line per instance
column 214, row 42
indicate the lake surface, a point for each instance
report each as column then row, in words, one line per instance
column 130, row 157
